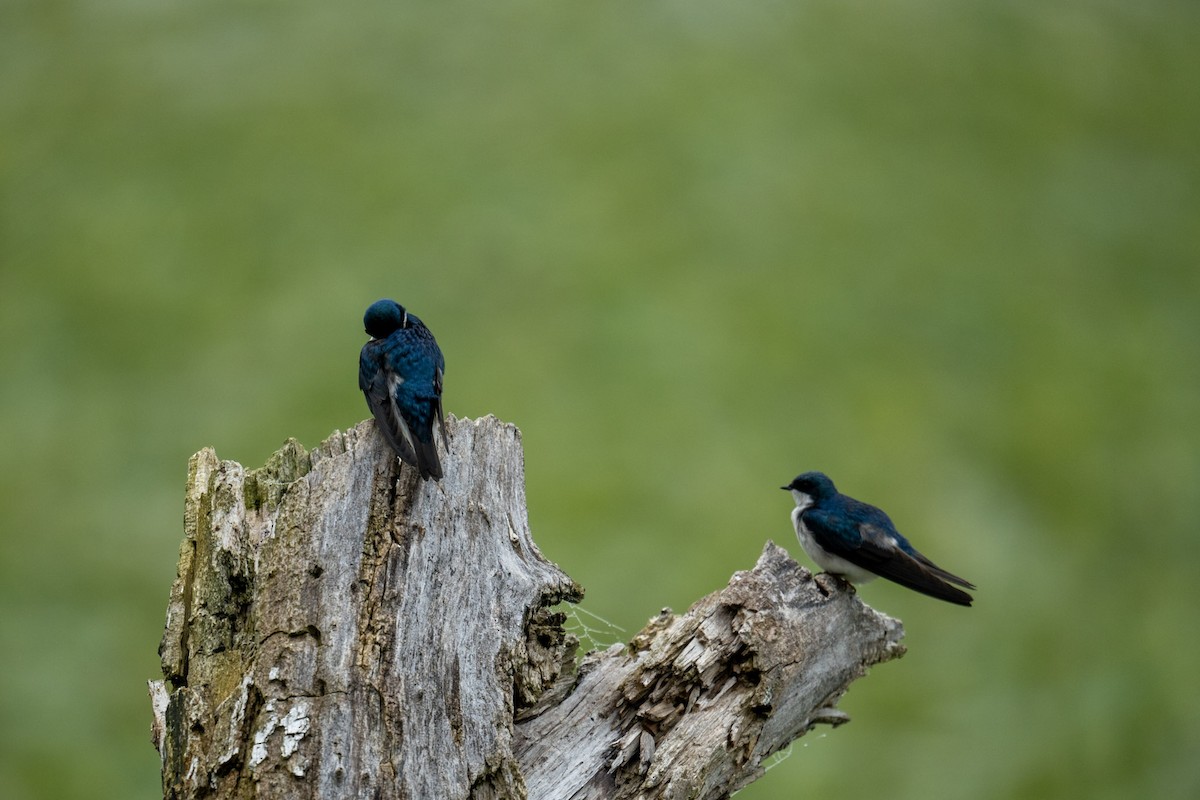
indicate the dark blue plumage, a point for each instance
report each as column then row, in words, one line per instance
column 859, row 542
column 400, row 373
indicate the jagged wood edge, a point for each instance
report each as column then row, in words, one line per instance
column 699, row 700
column 692, row 710
column 325, row 598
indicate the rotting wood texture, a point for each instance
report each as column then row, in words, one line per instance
column 339, row 628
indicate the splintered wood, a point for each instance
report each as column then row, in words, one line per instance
column 340, row 628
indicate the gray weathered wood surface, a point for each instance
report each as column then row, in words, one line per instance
column 339, row 628
column 703, row 698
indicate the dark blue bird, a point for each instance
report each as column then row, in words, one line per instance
column 400, row 372
column 859, row 542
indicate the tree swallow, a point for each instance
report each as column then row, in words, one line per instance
column 400, row 372
column 859, row 542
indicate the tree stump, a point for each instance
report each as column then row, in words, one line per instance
column 340, row 628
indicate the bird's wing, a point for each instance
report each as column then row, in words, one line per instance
column 874, row 545
column 437, row 387
column 378, row 384
column 941, row 573
column 426, row 400
column 427, row 457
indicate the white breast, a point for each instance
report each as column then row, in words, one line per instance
column 825, row 560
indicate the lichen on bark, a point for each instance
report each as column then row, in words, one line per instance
column 340, row 628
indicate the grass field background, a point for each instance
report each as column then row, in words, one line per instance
column 946, row 252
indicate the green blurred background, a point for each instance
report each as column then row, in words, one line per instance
column 947, row 252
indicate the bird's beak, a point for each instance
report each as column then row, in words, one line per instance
column 786, row 488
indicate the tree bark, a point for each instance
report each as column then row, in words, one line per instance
column 340, row 628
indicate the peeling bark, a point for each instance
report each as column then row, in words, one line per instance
column 698, row 701
column 339, row 628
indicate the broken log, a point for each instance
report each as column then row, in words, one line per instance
column 340, row 628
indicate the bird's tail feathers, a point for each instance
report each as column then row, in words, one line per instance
column 944, row 591
column 427, row 458
column 442, row 425
column 397, row 435
column 949, row 577
column 920, row 575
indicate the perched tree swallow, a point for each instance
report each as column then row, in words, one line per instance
column 859, row 542
column 400, row 372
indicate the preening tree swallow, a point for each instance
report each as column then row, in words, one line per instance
column 400, row 372
column 859, row 542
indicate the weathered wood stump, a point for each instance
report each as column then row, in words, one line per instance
column 339, row 628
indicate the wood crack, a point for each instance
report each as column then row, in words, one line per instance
column 340, row 628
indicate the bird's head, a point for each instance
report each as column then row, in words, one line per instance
column 384, row 318
column 810, row 487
